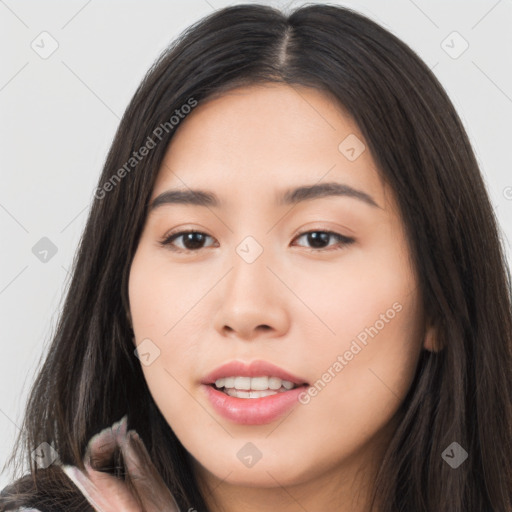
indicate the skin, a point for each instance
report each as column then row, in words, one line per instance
column 246, row 146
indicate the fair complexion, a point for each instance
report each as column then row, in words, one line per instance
column 298, row 305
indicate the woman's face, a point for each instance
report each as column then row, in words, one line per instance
column 340, row 313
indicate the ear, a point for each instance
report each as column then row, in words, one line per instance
column 431, row 339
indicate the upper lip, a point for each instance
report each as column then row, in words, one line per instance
column 257, row 368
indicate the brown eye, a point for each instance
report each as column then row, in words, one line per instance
column 191, row 241
column 319, row 240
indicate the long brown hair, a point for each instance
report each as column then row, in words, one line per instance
column 462, row 393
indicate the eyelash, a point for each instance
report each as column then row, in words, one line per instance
column 342, row 240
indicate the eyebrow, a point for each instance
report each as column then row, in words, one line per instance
column 288, row 197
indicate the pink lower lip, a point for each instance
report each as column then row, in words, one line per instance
column 252, row 411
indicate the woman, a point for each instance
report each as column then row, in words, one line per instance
column 291, row 283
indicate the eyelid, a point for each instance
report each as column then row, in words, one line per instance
column 325, row 229
column 343, row 240
column 165, row 241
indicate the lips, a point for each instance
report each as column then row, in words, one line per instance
column 258, row 368
column 253, row 407
column 252, row 411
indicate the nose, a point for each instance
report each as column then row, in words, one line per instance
column 252, row 302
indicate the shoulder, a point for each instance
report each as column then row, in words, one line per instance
column 48, row 490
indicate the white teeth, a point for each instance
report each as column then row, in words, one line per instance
column 229, row 382
column 253, row 384
column 259, row 383
column 242, row 383
column 274, row 383
column 250, row 394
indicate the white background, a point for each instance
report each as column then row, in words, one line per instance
column 58, row 117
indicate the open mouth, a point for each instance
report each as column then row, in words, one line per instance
column 227, row 388
column 253, row 387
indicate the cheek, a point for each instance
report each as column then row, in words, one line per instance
column 359, row 387
column 160, row 299
column 364, row 370
column 160, row 310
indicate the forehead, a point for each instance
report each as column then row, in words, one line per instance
column 272, row 136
